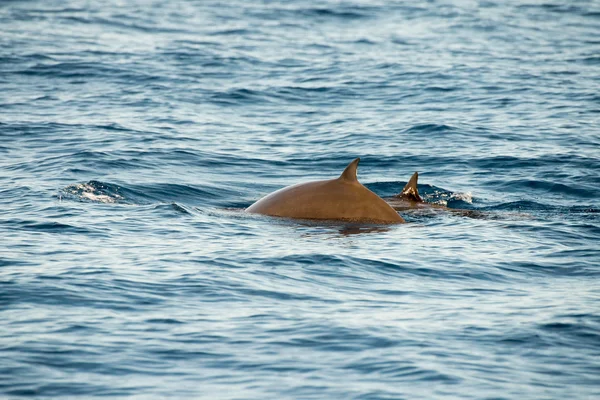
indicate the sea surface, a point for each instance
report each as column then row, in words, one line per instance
column 133, row 134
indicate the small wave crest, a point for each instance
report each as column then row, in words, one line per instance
column 158, row 193
column 94, row 191
column 104, row 192
column 466, row 197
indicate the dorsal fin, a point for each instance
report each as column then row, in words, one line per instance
column 410, row 191
column 349, row 173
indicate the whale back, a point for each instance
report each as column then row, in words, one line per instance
column 344, row 198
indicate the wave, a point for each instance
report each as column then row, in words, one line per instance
column 48, row 226
column 101, row 192
column 173, row 194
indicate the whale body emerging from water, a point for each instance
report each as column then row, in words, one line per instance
column 343, row 198
column 409, row 198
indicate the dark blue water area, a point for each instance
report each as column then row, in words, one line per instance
column 133, row 134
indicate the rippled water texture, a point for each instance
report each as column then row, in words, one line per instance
column 134, row 133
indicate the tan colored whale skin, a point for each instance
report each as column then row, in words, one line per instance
column 343, row 198
column 409, row 198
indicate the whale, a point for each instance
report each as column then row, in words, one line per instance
column 342, row 199
column 409, row 198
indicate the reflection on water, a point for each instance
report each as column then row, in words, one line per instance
column 325, row 228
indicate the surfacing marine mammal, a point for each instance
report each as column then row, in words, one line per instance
column 343, row 198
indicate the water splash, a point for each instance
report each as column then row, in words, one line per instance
column 94, row 191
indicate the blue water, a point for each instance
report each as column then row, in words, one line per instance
column 134, row 133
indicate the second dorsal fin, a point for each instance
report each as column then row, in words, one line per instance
column 349, row 173
column 410, row 191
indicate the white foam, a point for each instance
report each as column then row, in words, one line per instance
column 466, row 197
column 98, row 197
column 87, row 191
